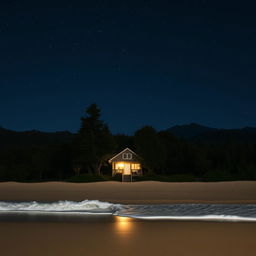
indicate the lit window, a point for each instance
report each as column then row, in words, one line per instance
column 119, row 166
column 135, row 166
column 127, row 156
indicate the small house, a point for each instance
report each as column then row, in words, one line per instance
column 127, row 163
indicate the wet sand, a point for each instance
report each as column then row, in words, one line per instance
column 117, row 236
column 53, row 235
column 151, row 192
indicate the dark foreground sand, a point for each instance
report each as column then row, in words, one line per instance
column 132, row 193
column 116, row 236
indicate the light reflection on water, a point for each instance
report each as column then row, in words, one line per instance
column 124, row 225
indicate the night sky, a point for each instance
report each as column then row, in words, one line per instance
column 159, row 63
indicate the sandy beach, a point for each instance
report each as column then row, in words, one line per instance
column 29, row 234
column 114, row 236
column 152, row 192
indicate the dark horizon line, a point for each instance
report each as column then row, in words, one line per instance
column 125, row 133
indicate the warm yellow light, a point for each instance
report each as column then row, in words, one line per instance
column 136, row 167
column 120, row 166
column 123, row 224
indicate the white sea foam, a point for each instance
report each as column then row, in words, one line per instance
column 182, row 212
column 193, row 212
column 86, row 206
column 227, row 218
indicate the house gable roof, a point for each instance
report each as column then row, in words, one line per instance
column 126, row 150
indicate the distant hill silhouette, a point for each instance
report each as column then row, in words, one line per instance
column 203, row 134
column 9, row 138
column 190, row 130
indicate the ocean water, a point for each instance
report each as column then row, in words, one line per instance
column 197, row 212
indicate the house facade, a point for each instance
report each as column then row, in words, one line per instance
column 127, row 163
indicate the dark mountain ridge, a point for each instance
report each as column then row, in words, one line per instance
column 192, row 132
column 9, row 138
column 199, row 133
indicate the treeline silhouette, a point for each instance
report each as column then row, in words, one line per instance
column 36, row 156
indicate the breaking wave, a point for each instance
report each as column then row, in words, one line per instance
column 86, row 206
column 190, row 212
column 200, row 218
column 194, row 212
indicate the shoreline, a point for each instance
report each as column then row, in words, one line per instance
column 148, row 192
column 61, row 234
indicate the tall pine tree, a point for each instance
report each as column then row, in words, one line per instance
column 94, row 142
